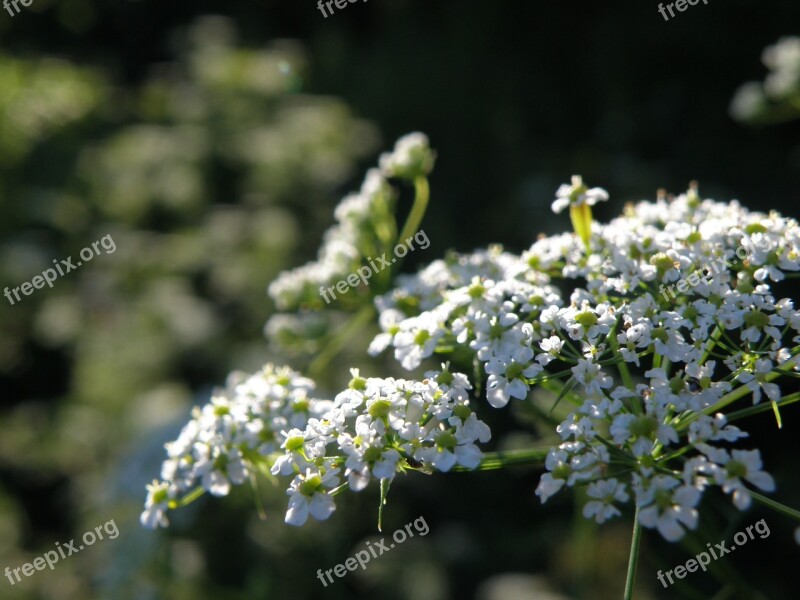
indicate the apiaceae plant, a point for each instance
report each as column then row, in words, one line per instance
column 658, row 384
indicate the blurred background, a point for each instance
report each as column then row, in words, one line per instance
column 212, row 143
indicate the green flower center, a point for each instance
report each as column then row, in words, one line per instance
column 462, row 412
column 736, row 468
column 380, row 409
column 446, row 440
column 295, row 443
column 562, row 471
column 755, row 318
column 372, row 454
column 311, row 485
column 587, row 319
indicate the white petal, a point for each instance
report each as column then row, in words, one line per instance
column 321, row 506
column 297, row 514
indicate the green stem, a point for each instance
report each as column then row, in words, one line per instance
column 776, row 506
column 360, row 319
column 493, row 461
column 557, row 387
column 713, row 338
column 633, row 560
column 421, row 195
column 624, row 371
column 187, row 499
column 753, row 410
column 727, row 399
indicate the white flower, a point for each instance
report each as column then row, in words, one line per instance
column 640, row 433
column 591, row 376
column 706, row 428
column 606, row 491
column 756, row 381
column 577, row 194
column 307, row 495
column 412, row 157
column 666, row 505
column 507, row 379
column 557, row 462
column 471, row 429
column 737, row 466
column 416, row 340
column 155, row 507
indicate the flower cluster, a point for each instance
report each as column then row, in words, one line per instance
column 583, row 315
column 381, row 427
column 358, row 219
column 228, row 436
column 378, row 427
column 654, row 439
column 363, row 228
column 777, row 99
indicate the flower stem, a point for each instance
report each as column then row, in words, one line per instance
column 624, row 371
column 727, row 399
column 421, row 195
column 633, row 560
column 776, row 506
column 752, row 410
column 360, row 319
column 187, row 499
column 507, row 458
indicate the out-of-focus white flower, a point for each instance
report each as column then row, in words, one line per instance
column 605, row 492
column 412, row 157
column 668, row 506
column 577, row 194
column 155, row 507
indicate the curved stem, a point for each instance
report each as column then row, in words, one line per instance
column 360, row 319
column 633, row 560
column 421, row 196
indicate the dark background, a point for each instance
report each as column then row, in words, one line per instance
column 515, row 97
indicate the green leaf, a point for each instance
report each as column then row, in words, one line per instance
column 776, row 409
column 581, row 217
column 385, row 483
column 571, row 383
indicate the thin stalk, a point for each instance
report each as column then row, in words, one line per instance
column 624, row 371
column 493, row 461
column 633, row 560
column 753, row 410
column 421, row 196
column 360, row 319
column 776, row 506
column 727, row 399
column 187, row 499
